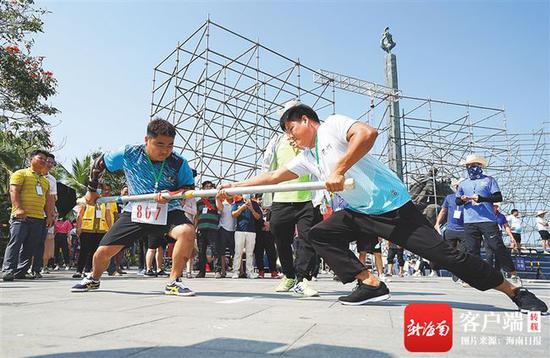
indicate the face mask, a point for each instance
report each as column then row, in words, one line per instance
column 474, row 172
column 98, row 191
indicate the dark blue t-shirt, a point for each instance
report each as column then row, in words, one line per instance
column 501, row 220
column 246, row 221
column 453, row 223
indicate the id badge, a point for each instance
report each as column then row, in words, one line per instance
column 39, row 190
column 97, row 213
column 205, row 210
column 149, row 212
column 457, row 214
column 323, row 209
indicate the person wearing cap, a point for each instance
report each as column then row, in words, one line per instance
column 477, row 193
column 454, row 214
column 379, row 204
column 543, row 228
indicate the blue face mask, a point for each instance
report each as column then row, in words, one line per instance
column 474, row 172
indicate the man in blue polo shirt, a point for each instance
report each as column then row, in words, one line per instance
column 378, row 205
column 454, row 233
column 477, row 194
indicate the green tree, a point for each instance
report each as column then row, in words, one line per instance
column 25, row 86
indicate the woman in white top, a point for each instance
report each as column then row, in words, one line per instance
column 543, row 228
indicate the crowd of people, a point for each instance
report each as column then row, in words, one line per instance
column 301, row 233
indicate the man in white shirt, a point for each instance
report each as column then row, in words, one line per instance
column 45, row 249
column 378, row 205
column 226, row 232
column 515, row 225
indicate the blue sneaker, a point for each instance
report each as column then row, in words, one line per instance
column 87, row 284
column 177, row 288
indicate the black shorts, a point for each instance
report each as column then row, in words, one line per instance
column 544, row 235
column 125, row 232
column 156, row 241
column 369, row 244
column 517, row 237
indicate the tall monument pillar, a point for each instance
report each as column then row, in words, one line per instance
column 394, row 120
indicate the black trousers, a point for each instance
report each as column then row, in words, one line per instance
column 62, row 245
column 205, row 237
column 285, row 218
column 406, row 227
column 392, row 252
column 89, row 242
column 494, row 246
column 265, row 242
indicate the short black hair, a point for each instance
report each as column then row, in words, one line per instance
column 295, row 113
column 514, row 211
column 158, row 127
column 50, row 155
column 206, row 182
column 194, row 172
column 39, row 151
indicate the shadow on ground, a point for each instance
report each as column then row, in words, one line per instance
column 229, row 347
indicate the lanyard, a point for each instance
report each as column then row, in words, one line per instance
column 325, row 200
column 155, row 175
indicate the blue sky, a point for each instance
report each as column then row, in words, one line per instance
column 493, row 53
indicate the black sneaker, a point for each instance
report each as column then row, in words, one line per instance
column 150, row 273
column 87, row 284
column 364, row 294
column 8, row 276
column 162, row 273
column 77, row 275
column 527, row 301
column 201, row 274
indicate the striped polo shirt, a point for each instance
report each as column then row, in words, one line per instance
column 32, row 203
column 208, row 215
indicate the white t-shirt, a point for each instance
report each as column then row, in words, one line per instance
column 377, row 189
column 515, row 224
column 53, row 184
column 226, row 220
column 542, row 224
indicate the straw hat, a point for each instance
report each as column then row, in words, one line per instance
column 475, row 158
column 540, row 212
column 456, row 182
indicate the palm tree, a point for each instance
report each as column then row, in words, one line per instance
column 77, row 177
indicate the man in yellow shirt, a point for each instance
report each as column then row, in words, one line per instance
column 30, row 201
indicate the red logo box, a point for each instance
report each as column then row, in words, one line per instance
column 428, row 327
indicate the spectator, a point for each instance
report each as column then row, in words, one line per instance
column 156, row 244
column 45, row 250
column 208, row 221
column 265, row 242
column 477, row 193
column 395, row 250
column 544, row 229
column 227, row 231
column 92, row 223
column 515, row 225
column 29, row 198
column 62, row 239
column 454, row 216
column 246, row 212
column 503, row 225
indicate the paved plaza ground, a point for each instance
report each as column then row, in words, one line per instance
column 131, row 317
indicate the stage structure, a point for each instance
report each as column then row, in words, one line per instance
column 224, row 93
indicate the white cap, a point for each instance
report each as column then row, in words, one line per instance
column 288, row 105
column 540, row 212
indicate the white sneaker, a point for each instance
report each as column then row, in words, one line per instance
column 251, row 275
column 305, row 289
column 433, row 274
column 235, row 274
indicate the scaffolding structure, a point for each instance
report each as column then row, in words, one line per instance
column 224, row 93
